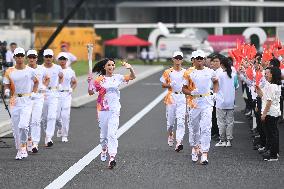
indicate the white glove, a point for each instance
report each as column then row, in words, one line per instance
column 70, row 90
column 7, row 92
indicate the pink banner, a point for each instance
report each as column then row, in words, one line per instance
column 220, row 42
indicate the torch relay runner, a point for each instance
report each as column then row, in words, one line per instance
column 108, row 104
column 20, row 83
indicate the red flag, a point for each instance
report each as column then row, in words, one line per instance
column 249, row 73
column 258, row 76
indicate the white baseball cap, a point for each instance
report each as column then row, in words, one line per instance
column 19, row 50
column 199, row 53
column 62, row 54
column 193, row 54
column 32, row 52
column 48, row 52
column 177, row 53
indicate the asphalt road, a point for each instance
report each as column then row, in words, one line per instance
column 144, row 159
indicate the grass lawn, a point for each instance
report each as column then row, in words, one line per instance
column 81, row 67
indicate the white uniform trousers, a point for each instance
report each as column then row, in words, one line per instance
column 20, row 115
column 200, row 123
column 176, row 112
column 108, row 123
column 35, row 127
column 63, row 113
column 49, row 113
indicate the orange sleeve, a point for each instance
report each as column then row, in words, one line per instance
column 7, row 75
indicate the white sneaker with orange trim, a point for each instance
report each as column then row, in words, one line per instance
column 24, row 152
column 19, row 155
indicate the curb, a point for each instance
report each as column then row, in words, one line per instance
column 5, row 128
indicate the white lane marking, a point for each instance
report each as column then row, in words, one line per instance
column 239, row 122
column 88, row 158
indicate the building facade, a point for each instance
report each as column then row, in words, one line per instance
column 142, row 11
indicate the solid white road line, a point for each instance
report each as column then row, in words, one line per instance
column 88, row 158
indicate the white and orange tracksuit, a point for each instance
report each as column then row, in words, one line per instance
column 175, row 102
column 21, row 82
column 200, row 103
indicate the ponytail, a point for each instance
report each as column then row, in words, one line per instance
column 227, row 65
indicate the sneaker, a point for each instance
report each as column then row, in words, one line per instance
column 64, row 139
column 35, row 148
column 29, row 145
column 48, row 142
column 59, row 133
column 204, row 160
column 24, row 152
column 111, row 163
column 248, row 113
column 179, row 147
column 19, row 155
column 221, row 144
column 229, row 143
column 194, row 155
column 267, row 157
column 171, row 140
column 103, row 155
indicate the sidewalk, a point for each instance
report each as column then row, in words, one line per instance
column 80, row 95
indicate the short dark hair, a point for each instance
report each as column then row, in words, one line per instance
column 13, row 43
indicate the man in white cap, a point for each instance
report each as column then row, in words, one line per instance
column 38, row 100
column 175, row 100
column 20, row 82
column 51, row 96
column 64, row 105
column 197, row 85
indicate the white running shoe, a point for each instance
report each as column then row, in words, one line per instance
column 48, row 142
column 111, row 163
column 221, row 144
column 103, row 155
column 19, row 155
column 204, row 160
column 64, row 139
column 194, row 155
column 29, row 145
column 35, row 148
column 229, row 143
column 59, row 133
column 24, row 152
